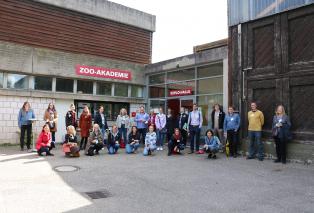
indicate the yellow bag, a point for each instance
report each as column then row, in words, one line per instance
column 227, row 149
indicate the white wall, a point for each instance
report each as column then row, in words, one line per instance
column 62, row 107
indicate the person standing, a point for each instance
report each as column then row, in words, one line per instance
column 70, row 117
column 25, row 125
column 231, row 128
column 85, row 124
column 281, row 133
column 141, row 120
column 195, row 122
column 152, row 119
column 182, row 124
column 43, row 143
column 51, row 118
column 95, row 142
column 161, row 129
column 256, row 122
column 218, row 117
column 123, row 123
column 170, row 124
column 101, row 120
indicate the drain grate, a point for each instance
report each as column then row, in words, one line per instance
column 98, row 194
column 66, row 168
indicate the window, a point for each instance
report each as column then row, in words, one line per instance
column 64, row 85
column 181, row 75
column 103, row 88
column 16, row 81
column 121, row 90
column 157, row 79
column 137, row 91
column 42, row 83
column 1, row 79
column 209, row 71
column 157, row 91
column 210, row 86
column 85, row 87
column 206, row 103
column 116, row 109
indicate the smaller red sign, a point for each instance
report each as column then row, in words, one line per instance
column 133, row 114
column 102, row 72
column 180, row 92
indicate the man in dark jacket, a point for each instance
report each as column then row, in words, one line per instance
column 218, row 117
column 182, row 122
column 101, row 120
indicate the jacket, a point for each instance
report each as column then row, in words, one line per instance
column 213, row 142
column 152, row 120
column 141, row 120
column 232, row 122
column 283, row 131
column 256, row 120
column 150, row 139
column 98, row 120
column 92, row 138
column 112, row 138
column 48, row 118
column 126, row 122
column 23, row 117
column 221, row 119
column 171, row 124
column 132, row 137
column 43, row 140
column 70, row 139
column 160, row 121
column 85, row 124
column 70, row 119
column 184, row 120
column 175, row 141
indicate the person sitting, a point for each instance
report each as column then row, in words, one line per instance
column 95, row 141
column 43, row 143
column 212, row 144
column 70, row 147
column 150, row 141
column 113, row 140
column 176, row 143
column 134, row 141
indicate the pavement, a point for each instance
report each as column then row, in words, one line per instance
column 134, row 183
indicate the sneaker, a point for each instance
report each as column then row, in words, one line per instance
column 249, row 158
column 214, row 156
column 29, row 150
column 209, row 155
column 191, row 152
column 50, row 154
column 157, row 149
column 161, row 149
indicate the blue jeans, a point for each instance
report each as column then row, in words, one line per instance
column 255, row 140
column 195, row 132
column 150, row 148
column 160, row 138
column 113, row 149
column 123, row 132
column 103, row 131
column 131, row 148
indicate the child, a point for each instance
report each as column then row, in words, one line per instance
column 95, row 142
column 150, row 141
column 43, row 143
column 176, row 143
column 69, row 146
column 212, row 144
column 113, row 140
column 133, row 142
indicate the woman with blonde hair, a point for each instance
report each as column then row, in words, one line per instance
column 51, row 118
column 281, row 133
column 85, row 124
column 123, row 124
column 70, row 147
column 95, row 141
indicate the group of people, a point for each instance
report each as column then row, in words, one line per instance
column 152, row 130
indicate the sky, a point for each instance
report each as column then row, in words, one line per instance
column 183, row 24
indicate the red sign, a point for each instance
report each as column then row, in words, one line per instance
column 133, row 114
column 102, row 72
column 180, row 92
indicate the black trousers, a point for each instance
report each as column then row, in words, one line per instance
column 94, row 147
column 142, row 132
column 83, row 143
column 44, row 149
column 232, row 137
column 28, row 129
column 184, row 136
column 281, row 149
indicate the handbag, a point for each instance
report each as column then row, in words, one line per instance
column 163, row 130
column 275, row 132
column 51, row 125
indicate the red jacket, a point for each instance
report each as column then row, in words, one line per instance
column 43, row 139
column 151, row 120
column 85, row 124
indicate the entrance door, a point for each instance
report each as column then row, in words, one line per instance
column 175, row 104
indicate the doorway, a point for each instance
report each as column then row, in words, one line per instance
column 175, row 104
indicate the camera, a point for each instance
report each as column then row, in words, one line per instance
column 71, row 137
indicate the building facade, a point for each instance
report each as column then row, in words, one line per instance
column 271, row 61
column 83, row 52
column 201, row 78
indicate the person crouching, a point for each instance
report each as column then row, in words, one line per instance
column 134, row 141
column 212, row 144
column 150, row 141
column 176, row 143
column 113, row 140
column 70, row 147
column 95, row 142
column 43, row 143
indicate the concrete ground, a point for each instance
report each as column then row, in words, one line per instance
column 187, row 183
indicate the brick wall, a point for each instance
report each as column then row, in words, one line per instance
column 9, row 109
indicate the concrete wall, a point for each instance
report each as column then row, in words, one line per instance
column 108, row 10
